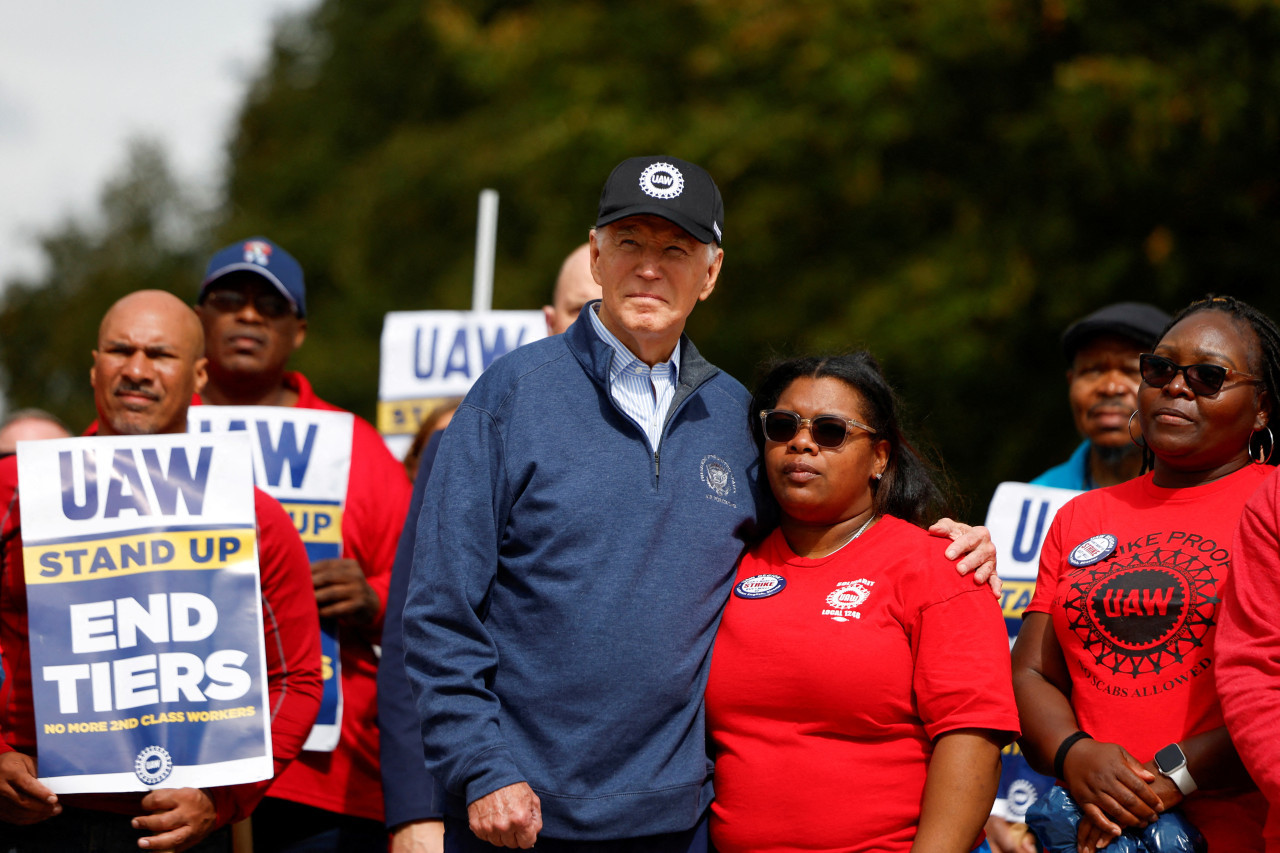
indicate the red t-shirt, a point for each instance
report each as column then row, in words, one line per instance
column 290, row 628
column 825, row 697
column 347, row 780
column 1137, row 627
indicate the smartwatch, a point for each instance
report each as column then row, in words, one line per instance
column 1172, row 762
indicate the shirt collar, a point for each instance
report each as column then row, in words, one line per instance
column 626, row 359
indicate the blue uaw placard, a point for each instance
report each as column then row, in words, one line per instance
column 143, row 599
column 1018, row 517
column 428, row 356
column 302, row 458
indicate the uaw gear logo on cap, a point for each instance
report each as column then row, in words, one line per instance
column 257, row 252
column 719, row 479
column 662, row 180
column 760, row 586
column 153, row 765
column 1093, row 550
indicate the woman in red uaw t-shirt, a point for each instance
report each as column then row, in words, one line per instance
column 859, row 691
column 1114, row 666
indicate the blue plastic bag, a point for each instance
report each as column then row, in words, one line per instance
column 1055, row 820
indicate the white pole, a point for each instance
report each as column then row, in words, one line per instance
column 486, row 242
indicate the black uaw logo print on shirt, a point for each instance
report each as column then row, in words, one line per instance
column 1146, row 612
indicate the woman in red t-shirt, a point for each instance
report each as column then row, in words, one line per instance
column 1114, row 665
column 859, row 691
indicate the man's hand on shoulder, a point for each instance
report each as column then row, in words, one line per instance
column 975, row 546
column 342, row 592
column 509, row 817
column 179, row 817
column 23, row 799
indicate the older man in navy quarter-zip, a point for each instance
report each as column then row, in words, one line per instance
column 576, row 545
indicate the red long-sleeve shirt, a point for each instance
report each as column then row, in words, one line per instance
column 347, row 780
column 1248, row 677
column 290, row 631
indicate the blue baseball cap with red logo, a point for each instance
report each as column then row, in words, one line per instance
column 259, row 255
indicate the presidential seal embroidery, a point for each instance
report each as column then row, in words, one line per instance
column 760, row 586
column 718, row 477
column 1093, row 550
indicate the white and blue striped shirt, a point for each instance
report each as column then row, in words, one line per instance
column 644, row 393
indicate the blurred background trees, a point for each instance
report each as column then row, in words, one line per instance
column 947, row 183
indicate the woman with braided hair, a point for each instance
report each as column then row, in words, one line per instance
column 1114, row 666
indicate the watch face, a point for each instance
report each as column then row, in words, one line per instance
column 1170, row 758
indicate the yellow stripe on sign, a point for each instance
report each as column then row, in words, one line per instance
column 404, row 417
column 135, row 554
column 316, row 523
column 1015, row 597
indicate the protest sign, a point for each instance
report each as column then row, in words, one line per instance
column 302, row 458
column 428, row 356
column 1018, row 518
column 143, row 600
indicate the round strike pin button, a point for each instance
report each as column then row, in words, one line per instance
column 760, row 586
column 1093, row 550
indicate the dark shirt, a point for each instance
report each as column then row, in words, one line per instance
column 408, row 790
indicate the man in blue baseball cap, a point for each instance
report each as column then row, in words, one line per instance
column 252, row 305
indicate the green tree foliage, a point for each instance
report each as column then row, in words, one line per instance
column 148, row 234
column 948, row 183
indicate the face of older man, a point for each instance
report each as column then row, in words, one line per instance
column 652, row 273
column 149, row 361
column 1103, row 389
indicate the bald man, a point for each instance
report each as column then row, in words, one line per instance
column 148, row 364
column 575, row 287
column 29, row 425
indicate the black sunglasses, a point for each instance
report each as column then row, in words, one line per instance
column 829, row 431
column 269, row 304
column 1203, row 379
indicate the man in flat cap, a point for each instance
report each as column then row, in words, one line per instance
column 577, row 542
column 1102, row 387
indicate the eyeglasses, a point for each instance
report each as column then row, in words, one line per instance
column 1203, row 379
column 268, row 303
column 829, row 431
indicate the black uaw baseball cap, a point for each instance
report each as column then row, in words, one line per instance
column 674, row 189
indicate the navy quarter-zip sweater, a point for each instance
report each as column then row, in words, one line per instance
column 567, row 585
